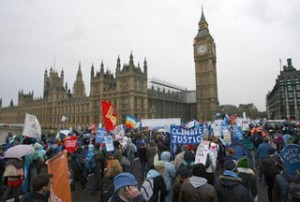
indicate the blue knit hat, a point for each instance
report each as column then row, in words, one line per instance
column 124, row 179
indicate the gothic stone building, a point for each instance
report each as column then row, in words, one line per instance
column 129, row 91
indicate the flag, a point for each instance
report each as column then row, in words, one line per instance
column 110, row 118
column 32, row 127
column 60, row 187
column 92, row 126
column 64, row 119
column 130, row 121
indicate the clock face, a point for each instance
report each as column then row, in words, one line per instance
column 201, row 49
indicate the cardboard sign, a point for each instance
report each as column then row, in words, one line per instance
column 101, row 133
column 202, row 152
column 70, row 143
column 109, row 143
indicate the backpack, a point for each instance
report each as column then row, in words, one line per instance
column 293, row 189
column 269, row 167
column 147, row 189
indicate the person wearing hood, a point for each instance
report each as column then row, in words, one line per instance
column 230, row 187
column 197, row 188
column 89, row 161
column 169, row 174
column 126, row 189
column 159, row 188
column 247, row 175
column 188, row 162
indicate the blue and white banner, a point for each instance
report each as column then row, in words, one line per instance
column 237, row 132
column 291, row 157
column 109, row 143
column 180, row 135
column 101, row 133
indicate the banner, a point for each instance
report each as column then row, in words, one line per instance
column 109, row 143
column 291, row 157
column 32, row 127
column 180, row 135
column 101, row 133
column 237, row 132
column 60, row 188
column 202, row 152
column 70, row 143
column 110, row 118
column 92, row 126
column 130, row 121
column 119, row 132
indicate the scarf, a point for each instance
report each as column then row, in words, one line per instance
column 230, row 173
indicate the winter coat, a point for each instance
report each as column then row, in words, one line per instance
column 197, row 189
column 106, row 188
column 280, row 190
column 231, row 189
column 170, row 171
column 262, row 151
column 248, row 179
column 248, row 143
column 34, row 197
column 151, row 152
column 117, row 198
column 159, row 185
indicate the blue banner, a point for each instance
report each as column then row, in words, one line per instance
column 180, row 135
column 101, row 132
column 237, row 132
column 291, row 157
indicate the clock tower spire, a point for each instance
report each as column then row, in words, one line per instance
column 206, row 72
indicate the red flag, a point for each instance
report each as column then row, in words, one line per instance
column 110, row 118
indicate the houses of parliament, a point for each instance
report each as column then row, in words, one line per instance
column 129, row 91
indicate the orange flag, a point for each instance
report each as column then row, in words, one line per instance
column 110, row 118
column 60, row 188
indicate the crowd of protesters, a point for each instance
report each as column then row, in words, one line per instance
column 174, row 175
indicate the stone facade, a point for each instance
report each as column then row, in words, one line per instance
column 128, row 90
column 206, row 72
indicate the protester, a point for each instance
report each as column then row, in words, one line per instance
column 159, row 188
column 270, row 168
column 179, row 157
column 14, row 173
column 181, row 177
column 125, row 189
column 151, row 152
column 107, row 187
column 211, row 164
column 40, row 189
column 197, row 188
column 143, row 159
column 169, row 175
column 281, row 186
column 230, row 187
column 188, row 162
column 249, row 145
column 248, row 176
column 262, row 152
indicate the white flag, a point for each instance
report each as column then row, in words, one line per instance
column 64, row 119
column 32, row 127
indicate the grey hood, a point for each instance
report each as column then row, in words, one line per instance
column 198, row 181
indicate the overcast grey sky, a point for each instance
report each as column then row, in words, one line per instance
column 250, row 36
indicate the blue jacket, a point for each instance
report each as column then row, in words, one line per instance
column 262, row 151
column 170, row 171
column 239, row 149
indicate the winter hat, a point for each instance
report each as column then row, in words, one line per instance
column 189, row 156
column 229, row 165
column 183, row 172
column 271, row 150
column 159, row 165
column 37, row 146
column 243, row 162
column 124, row 179
column 199, row 170
column 165, row 156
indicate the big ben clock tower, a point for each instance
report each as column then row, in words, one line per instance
column 206, row 72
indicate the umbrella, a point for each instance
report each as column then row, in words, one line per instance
column 18, row 151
